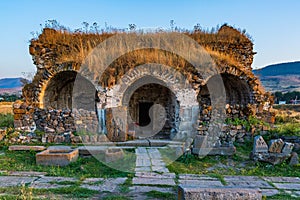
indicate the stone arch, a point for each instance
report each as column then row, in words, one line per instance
column 59, row 92
column 237, row 89
column 166, row 77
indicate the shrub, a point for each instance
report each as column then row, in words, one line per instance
column 6, row 120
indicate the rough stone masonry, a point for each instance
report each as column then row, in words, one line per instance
column 53, row 103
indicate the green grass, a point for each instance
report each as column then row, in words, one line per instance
column 24, row 192
column 71, row 192
column 82, row 168
column 124, row 188
column 288, row 129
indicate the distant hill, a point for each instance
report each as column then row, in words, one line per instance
column 10, row 85
column 283, row 77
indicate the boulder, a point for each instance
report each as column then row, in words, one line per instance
column 218, row 193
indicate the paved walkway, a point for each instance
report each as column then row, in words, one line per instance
column 152, row 174
column 149, row 160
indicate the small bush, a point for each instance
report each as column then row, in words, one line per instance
column 6, row 120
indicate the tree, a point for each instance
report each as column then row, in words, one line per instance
column 132, row 27
column 172, row 24
column 197, row 27
column 85, row 26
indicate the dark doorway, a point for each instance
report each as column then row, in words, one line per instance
column 144, row 115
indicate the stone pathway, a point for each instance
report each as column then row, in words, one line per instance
column 151, row 174
column 149, row 160
column 152, row 181
column 151, row 169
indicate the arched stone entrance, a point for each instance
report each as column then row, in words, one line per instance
column 144, row 98
column 179, row 93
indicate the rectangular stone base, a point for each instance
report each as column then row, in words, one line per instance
column 56, row 157
column 219, row 193
column 214, row 151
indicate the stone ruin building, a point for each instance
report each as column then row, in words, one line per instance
column 57, row 107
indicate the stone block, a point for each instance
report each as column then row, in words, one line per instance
column 259, row 145
column 153, row 181
column 26, row 148
column 91, row 150
column 93, row 138
column 218, row 193
column 112, row 155
column 17, row 104
column 59, row 148
column 273, row 158
column 57, row 157
column 200, row 141
column 19, row 111
column 76, row 139
column 85, row 138
column 59, row 139
column 276, row 146
column 2, row 134
column 287, row 148
column 288, row 186
column 294, row 159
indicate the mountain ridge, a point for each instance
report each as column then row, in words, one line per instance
column 281, row 77
column 10, row 83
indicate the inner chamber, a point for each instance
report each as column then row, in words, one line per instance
column 144, row 98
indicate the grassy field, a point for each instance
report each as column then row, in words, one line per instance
column 6, row 107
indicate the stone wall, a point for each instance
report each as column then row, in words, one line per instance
column 55, row 123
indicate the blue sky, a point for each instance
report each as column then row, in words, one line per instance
column 274, row 25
